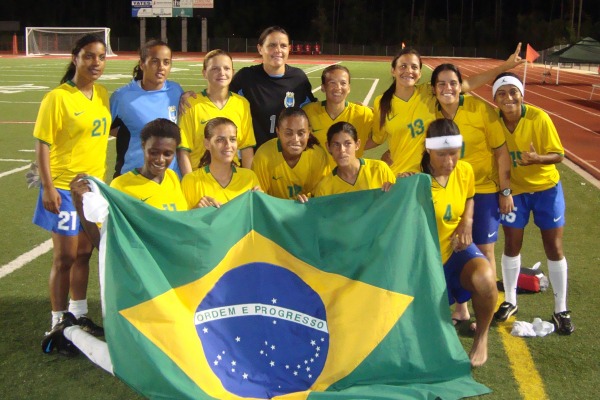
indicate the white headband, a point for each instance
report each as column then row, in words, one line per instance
column 507, row 80
column 443, row 142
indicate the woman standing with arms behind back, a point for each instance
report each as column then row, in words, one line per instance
column 147, row 97
column 273, row 85
column 72, row 136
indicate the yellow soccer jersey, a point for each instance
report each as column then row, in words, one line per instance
column 166, row 195
column 278, row 179
column 482, row 132
column 201, row 183
column 76, row 129
column 449, row 203
column 360, row 117
column 202, row 110
column 371, row 175
column 535, row 127
column 405, row 128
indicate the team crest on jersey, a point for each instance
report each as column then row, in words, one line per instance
column 173, row 113
column 289, row 100
column 263, row 343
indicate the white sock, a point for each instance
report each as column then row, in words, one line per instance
column 78, row 307
column 511, row 266
column 56, row 316
column 557, row 272
column 94, row 349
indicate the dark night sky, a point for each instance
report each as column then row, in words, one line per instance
column 501, row 22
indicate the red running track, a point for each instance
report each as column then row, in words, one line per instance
column 577, row 118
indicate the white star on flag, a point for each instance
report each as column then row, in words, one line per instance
column 272, row 363
column 237, row 339
column 274, row 300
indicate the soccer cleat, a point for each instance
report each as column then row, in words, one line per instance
column 55, row 339
column 504, row 312
column 562, row 321
column 89, row 326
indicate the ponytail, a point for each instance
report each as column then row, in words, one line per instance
column 385, row 104
column 138, row 74
column 205, row 160
column 312, row 141
column 69, row 73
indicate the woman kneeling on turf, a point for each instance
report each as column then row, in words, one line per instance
column 351, row 173
column 291, row 165
column 156, row 185
column 468, row 273
column 218, row 180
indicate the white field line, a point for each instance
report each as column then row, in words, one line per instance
column 371, row 91
column 13, row 160
column 318, row 68
column 26, row 258
column 13, row 171
column 20, row 102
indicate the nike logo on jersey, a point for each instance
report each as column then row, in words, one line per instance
column 557, row 219
column 392, row 117
column 491, row 234
column 144, row 200
column 77, row 114
column 274, row 178
column 204, row 121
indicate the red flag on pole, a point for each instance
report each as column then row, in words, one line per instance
column 531, row 55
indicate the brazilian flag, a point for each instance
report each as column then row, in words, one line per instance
column 339, row 298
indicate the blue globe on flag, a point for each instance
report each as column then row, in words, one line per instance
column 264, row 331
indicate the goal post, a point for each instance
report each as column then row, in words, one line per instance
column 59, row 40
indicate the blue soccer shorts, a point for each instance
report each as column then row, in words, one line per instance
column 452, row 270
column 66, row 222
column 486, row 218
column 547, row 206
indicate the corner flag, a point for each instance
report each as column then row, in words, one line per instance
column 531, row 55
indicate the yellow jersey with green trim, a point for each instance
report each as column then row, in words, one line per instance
column 482, row 133
column 360, row 117
column 166, row 195
column 278, row 179
column 405, row 127
column 534, row 128
column 202, row 110
column 449, row 203
column 202, row 183
column 76, row 129
column 372, row 174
